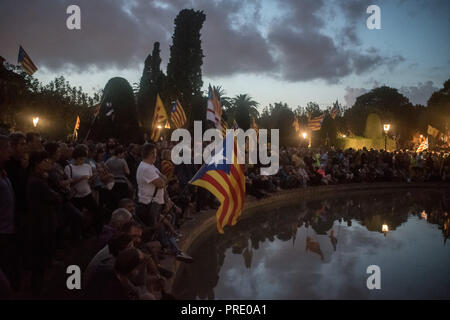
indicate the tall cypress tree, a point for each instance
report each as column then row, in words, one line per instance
column 152, row 83
column 184, row 73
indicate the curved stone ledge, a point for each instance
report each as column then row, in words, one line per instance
column 205, row 222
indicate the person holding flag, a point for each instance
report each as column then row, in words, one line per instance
column 159, row 119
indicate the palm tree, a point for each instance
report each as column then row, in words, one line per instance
column 221, row 95
column 244, row 108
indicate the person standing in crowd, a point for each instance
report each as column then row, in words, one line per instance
column 119, row 169
column 150, row 187
column 104, row 182
column 60, row 182
column 44, row 204
column 8, row 248
column 34, row 142
column 151, row 199
column 81, row 174
column 17, row 171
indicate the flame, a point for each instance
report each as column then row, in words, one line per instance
column 35, row 121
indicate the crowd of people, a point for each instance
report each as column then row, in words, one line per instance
column 133, row 200
column 303, row 167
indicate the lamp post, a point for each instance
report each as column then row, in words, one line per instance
column 384, row 229
column 386, row 128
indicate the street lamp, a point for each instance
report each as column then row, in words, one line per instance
column 386, row 128
column 35, row 121
column 384, row 229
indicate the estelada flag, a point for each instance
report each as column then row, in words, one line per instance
column 225, row 179
column 315, row 124
column 177, row 114
column 25, row 60
column 159, row 119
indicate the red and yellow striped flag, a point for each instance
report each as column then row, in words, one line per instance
column 25, row 60
column 77, row 126
column 177, row 115
column 159, row 119
column 226, row 182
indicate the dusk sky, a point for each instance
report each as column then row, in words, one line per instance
column 292, row 51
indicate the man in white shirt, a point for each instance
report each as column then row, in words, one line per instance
column 151, row 184
column 152, row 197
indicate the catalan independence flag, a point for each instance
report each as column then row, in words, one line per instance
column 423, row 146
column 177, row 115
column 226, row 182
column 25, row 60
column 315, row 124
column 159, row 119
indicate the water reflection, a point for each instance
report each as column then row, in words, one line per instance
column 333, row 242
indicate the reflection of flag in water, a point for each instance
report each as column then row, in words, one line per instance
column 423, row 146
column 226, row 182
column 335, row 110
column 25, row 60
column 315, row 124
column 177, row 115
column 313, row 246
column 159, row 119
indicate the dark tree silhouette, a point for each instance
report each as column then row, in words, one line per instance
column 152, row 82
column 118, row 115
column 184, row 74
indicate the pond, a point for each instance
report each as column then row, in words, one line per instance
column 321, row 249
